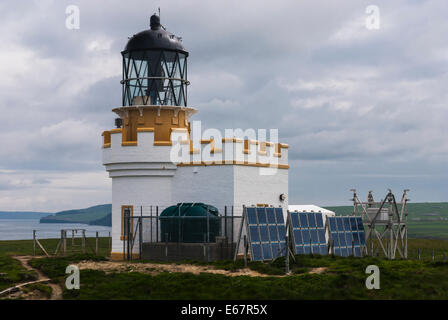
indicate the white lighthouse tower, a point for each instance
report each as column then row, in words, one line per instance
column 156, row 158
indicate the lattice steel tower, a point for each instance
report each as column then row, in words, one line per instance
column 386, row 222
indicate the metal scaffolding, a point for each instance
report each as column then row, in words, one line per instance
column 386, row 223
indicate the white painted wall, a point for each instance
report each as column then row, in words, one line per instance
column 253, row 186
column 209, row 184
column 136, row 191
column 144, row 175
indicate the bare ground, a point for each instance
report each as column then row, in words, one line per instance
column 154, row 268
column 56, row 293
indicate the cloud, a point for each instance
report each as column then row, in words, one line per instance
column 350, row 101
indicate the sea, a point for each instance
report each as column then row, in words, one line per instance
column 22, row 229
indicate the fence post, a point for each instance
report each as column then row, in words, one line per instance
column 233, row 222
column 311, row 246
column 96, row 244
column 418, row 253
column 225, row 221
column 65, row 242
column 34, row 242
column 140, row 237
column 178, row 225
column 287, row 254
column 150, row 224
column 353, row 248
column 110, row 242
column 166, row 244
column 433, row 255
column 245, row 250
column 208, row 235
column 157, row 223
column 83, row 241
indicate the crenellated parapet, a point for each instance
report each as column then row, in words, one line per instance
column 181, row 150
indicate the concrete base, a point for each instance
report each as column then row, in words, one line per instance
column 188, row 251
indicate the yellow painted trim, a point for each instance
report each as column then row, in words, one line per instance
column 284, row 145
column 163, row 143
column 224, row 140
column 241, row 163
column 118, row 256
column 193, row 150
column 122, row 236
column 216, row 150
column 129, row 143
column 278, row 155
column 106, row 138
column 106, row 145
column 118, row 130
column 205, row 141
column 145, row 129
column 179, row 129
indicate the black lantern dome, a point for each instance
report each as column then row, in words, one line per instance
column 155, row 68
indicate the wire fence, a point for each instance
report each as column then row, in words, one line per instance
column 208, row 234
column 73, row 241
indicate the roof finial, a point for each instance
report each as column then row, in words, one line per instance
column 155, row 22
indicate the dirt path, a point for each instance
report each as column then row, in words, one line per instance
column 56, row 292
column 155, row 268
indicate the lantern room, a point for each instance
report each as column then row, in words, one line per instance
column 154, row 68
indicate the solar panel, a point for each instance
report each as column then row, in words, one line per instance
column 308, row 233
column 347, row 236
column 251, row 217
column 273, row 233
column 266, row 232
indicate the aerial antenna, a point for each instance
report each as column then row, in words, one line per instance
column 160, row 19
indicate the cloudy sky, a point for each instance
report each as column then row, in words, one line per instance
column 360, row 108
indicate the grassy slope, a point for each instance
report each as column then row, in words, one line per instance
column 25, row 247
column 417, row 229
column 344, row 279
column 12, row 272
column 81, row 215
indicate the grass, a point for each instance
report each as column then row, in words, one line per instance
column 12, row 272
column 45, row 290
column 425, row 228
column 25, row 247
column 343, row 279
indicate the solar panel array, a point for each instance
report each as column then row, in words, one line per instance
column 308, row 233
column 347, row 236
column 266, row 232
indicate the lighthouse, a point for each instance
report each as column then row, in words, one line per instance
column 157, row 156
